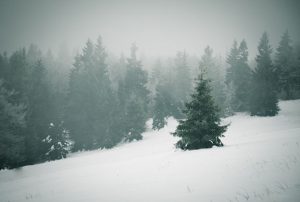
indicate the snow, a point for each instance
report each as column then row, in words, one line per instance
column 259, row 162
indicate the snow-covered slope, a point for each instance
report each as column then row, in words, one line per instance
column 259, row 162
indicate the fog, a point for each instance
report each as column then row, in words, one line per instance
column 109, row 84
column 159, row 28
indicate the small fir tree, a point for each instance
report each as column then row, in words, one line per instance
column 202, row 127
column 57, row 142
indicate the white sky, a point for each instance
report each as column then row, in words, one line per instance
column 160, row 28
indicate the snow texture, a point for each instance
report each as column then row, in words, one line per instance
column 259, row 162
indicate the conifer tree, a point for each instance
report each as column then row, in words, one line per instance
column 238, row 76
column 202, row 127
column 27, row 79
column 91, row 101
column 264, row 101
column 18, row 75
column 163, row 106
column 4, row 67
column 58, row 142
column 213, row 70
column 76, row 115
column 284, row 62
column 155, row 76
column 12, row 119
column 232, row 61
column 165, row 100
column 296, row 71
column 183, row 80
column 134, row 97
column 38, row 113
column 117, row 71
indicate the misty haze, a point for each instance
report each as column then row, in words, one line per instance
column 135, row 100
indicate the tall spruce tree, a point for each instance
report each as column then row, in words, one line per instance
column 154, row 79
column 4, row 67
column 39, row 113
column 209, row 64
column 18, row 75
column 91, row 101
column 284, row 63
column 183, row 80
column 238, row 76
column 12, row 119
column 232, row 59
column 117, row 71
column 134, row 97
column 26, row 79
column 202, row 127
column 296, row 70
column 165, row 100
column 107, row 103
column 264, row 101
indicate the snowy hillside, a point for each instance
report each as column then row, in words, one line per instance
column 259, row 162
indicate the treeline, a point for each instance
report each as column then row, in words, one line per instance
column 274, row 77
column 49, row 107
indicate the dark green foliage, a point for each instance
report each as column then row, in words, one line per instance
column 4, row 67
column 26, row 77
column 156, row 75
column 11, row 138
column 285, row 63
column 91, row 101
column 57, row 142
column 202, row 127
column 238, row 76
column 76, row 115
column 134, row 98
column 135, row 119
column 160, row 110
column 84, row 107
column 296, row 71
column 58, row 70
column 38, row 113
column 232, row 61
column 264, row 101
column 18, row 75
column 244, row 75
column 164, row 96
column 117, row 71
column 162, row 106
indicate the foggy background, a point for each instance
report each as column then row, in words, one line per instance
column 165, row 76
column 159, row 28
